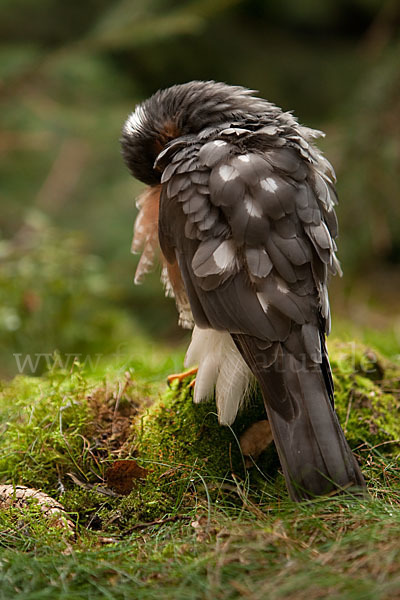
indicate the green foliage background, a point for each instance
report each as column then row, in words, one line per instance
column 70, row 74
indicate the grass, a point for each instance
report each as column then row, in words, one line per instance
column 199, row 526
column 336, row 549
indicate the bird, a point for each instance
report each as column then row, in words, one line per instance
column 240, row 207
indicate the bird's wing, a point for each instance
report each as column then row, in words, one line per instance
column 252, row 227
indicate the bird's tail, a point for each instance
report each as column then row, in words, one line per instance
column 314, row 454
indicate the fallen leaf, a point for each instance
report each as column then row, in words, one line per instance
column 255, row 440
column 121, row 475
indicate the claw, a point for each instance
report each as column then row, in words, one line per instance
column 181, row 376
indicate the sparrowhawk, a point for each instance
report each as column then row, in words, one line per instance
column 241, row 203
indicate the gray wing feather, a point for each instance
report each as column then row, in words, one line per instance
column 286, row 227
column 258, row 262
column 248, row 229
column 214, row 152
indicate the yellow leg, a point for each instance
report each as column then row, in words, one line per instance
column 181, row 376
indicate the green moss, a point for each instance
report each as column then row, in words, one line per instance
column 175, row 431
column 42, row 422
column 27, row 529
column 70, row 424
column 185, row 443
column 367, row 390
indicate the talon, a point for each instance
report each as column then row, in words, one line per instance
column 181, row 376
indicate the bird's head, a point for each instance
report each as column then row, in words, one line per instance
column 178, row 111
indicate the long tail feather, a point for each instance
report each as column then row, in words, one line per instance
column 314, row 454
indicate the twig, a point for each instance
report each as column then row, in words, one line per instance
column 94, row 487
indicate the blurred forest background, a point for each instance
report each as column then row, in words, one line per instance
column 70, row 72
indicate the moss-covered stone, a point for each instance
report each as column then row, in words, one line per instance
column 182, row 439
column 176, row 435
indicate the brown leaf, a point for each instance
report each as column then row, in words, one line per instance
column 120, row 476
column 255, row 440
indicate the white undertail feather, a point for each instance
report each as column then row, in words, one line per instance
column 234, row 380
column 220, row 367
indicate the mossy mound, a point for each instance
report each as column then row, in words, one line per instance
column 367, row 400
column 177, row 433
column 367, row 396
column 61, row 433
